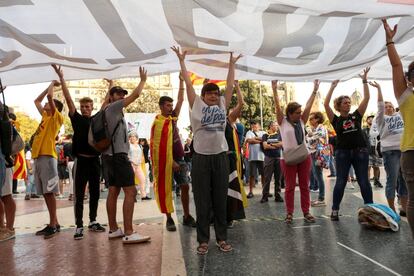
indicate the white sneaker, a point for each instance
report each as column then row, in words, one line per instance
column 135, row 238
column 116, row 234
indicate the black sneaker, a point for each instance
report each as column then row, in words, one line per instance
column 278, row 198
column 78, row 233
column 403, row 213
column 95, row 227
column 170, row 225
column 58, row 227
column 335, row 215
column 378, row 184
column 250, row 195
column 146, row 198
column 264, row 199
column 189, row 221
column 43, row 231
column 50, row 232
column 230, row 224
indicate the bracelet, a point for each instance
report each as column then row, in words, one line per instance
column 364, row 81
column 389, row 43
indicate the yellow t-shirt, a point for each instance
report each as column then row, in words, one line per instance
column 44, row 142
column 406, row 104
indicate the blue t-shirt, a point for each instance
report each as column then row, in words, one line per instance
column 272, row 138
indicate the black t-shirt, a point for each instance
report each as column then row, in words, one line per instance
column 348, row 131
column 145, row 149
column 80, row 143
column 271, row 139
column 67, row 149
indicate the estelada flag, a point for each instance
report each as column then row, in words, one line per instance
column 19, row 169
column 161, row 148
column 197, row 80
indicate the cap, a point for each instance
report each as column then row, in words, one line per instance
column 117, row 89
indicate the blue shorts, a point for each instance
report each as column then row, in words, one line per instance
column 181, row 177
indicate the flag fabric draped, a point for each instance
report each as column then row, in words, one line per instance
column 19, row 169
column 279, row 39
column 161, row 147
column 239, row 167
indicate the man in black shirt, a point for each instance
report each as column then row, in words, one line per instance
column 271, row 142
column 87, row 167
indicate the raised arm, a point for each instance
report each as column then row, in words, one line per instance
column 39, row 99
column 137, row 91
column 379, row 118
column 106, row 100
column 180, row 97
column 398, row 79
column 49, row 95
column 309, row 103
column 364, row 103
column 65, row 90
column 278, row 109
column 191, row 95
column 328, row 109
column 230, row 79
column 236, row 112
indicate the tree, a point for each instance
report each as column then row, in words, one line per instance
column 146, row 103
column 68, row 125
column 26, row 125
column 251, row 110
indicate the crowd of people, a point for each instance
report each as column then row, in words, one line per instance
column 297, row 146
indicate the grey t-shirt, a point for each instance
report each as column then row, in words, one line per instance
column 120, row 139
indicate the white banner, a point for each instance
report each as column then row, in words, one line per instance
column 286, row 40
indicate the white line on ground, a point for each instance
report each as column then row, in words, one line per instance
column 307, row 226
column 369, row 259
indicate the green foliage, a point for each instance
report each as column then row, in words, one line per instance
column 146, row 103
column 251, row 109
column 26, row 125
column 68, row 125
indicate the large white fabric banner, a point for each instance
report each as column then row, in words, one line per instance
column 286, row 40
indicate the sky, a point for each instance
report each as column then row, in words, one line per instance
column 24, row 95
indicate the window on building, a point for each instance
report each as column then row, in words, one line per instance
column 77, row 92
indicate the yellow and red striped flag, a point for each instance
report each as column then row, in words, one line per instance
column 19, row 169
column 161, row 148
column 197, row 80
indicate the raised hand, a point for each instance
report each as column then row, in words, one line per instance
column 389, row 33
column 316, row 85
column 334, row 83
column 364, row 75
column 58, row 70
column 54, row 83
column 375, row 84
column 274, row 85
column 109, row 81
column 233, row 60
column 236, row 82
column 142, row 74
column 181, row 56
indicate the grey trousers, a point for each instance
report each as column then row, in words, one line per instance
column 407, row 168
column 210, row 176
column 271, row 167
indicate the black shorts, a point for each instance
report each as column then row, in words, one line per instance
column 254, row 167
column 117, row 170
column 63, row 172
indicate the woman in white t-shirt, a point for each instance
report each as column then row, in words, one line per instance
column 209, row 162
column 296, row 159
column 136, row 157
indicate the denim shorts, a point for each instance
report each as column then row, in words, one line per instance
column 181, row 177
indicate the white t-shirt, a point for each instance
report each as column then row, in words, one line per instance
column 288, row 134
column 208, row 124
column 390, row 128
column 135, row 154
column 255, row 151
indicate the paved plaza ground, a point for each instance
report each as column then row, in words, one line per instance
column 263, row 243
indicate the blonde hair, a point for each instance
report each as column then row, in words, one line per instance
column 338, row 101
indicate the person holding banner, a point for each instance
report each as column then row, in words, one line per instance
column 403, row 91
column 351, row 146
column 296, row 160
column 210, row 172
column 167, row 157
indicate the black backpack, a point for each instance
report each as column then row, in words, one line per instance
column 99, row 137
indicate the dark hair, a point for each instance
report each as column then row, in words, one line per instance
column 209, row 87
column 338, row 101
column 58, row 104
column 291, row 108
column 118, row 90
column 253, row 122
column 318, row 116
column 165, row 99
column 269, row 124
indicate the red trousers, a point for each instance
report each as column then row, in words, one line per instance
column 302, row 170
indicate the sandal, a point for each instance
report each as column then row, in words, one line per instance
column 289, row 219
column 224, row 246
column 309, row 218
column 202, row 249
